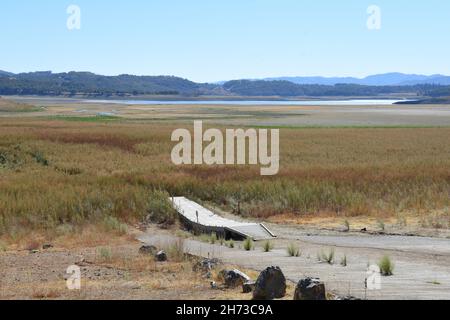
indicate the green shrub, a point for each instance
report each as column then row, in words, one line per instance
column 268, row 246
column 176, row 250
column 159, row 208
column 381, row 225
column 346, row 226
column 204, row 238
column 111, row 224
column 386, row 266
column 213, row 238
column 248, row 244
column 40, row 158
column 293, row 250
column 230, row 244
column 327, row 257
column 104, row 254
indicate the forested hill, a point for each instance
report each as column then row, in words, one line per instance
column 47, row 83
column 89, row 84
column 289, row 89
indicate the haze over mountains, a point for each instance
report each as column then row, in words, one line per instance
column 90, row 84
column 387, row 79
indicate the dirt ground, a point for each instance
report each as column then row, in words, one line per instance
column 112, row 267
column 116, row 272
column 421, row 264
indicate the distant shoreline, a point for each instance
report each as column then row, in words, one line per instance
column 249, row 101
column 213, row 98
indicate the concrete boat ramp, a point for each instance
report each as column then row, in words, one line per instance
column 199, row 219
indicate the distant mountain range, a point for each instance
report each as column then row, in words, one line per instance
column 387, row 79
column 4, row 73
column 93, row 85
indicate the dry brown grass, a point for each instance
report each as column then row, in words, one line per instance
column 95, row 170
column 102, row 140
column 12, row 106
column 46, row 293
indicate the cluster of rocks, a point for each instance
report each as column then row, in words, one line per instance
column 271, row 284
column 160, row 255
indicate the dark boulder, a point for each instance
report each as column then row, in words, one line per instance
column 310, row 289
column 271, row 284
column 234, row 278
column 161, row 256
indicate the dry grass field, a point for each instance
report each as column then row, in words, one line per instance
column 57, row 176
column 14, row 107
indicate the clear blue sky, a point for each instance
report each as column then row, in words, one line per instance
column 212, row 40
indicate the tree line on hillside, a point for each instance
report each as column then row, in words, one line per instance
column 89, row 84
column 289, row 89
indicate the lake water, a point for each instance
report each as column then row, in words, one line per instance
column 360, row 102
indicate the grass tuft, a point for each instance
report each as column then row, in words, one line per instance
column 344, row 261
column 381, row 225
column 386, row 266
column 346, row 226
column 176, row 251
column 267, row 246
column 112, row 224
column 293, row 250
column 248, row 244
column 327, row 257
column 230, row 244
column 213, row 238
column 104, row 254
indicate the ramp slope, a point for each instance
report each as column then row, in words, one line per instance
column 203, row 220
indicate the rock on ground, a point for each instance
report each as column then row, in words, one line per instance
column 310, row 289
column 234, row 278
column 161, row 256
column 271, row 284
